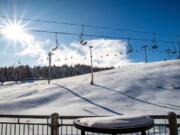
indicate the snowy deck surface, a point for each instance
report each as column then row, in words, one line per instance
column 152, row 88
column 123, row 121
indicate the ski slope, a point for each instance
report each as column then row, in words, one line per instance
column 152, row 88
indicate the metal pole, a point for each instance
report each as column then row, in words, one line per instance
column 92, row 77
column 49, row 75
column 13, row 74
column 169, row 55
column 178, row 42
column 145, row 53
column 19, row 72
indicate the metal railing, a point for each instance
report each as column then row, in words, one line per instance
column 24, row 125
column 47, row 125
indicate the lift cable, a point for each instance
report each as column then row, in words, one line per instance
column 86, row 25
column 94, row 35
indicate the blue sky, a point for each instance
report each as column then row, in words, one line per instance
column 162, row 16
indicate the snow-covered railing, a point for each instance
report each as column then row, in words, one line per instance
column 63, row 125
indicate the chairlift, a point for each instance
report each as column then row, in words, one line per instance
column 168, row 51
column 19, row 62
column 82, row 42
column 144, row 46
column 154, row 43
column 174, row 51
column 129, row 47
column 120, row 52
column 57, row 44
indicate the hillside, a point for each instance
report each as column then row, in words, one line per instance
column 152, row 88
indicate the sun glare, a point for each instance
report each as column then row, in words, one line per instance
column 15, row 32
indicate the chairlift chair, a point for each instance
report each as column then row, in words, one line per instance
column 121, row 52
column 154, row 44
column 168, row 51
column 57, row 44
column 82, row 42
column 129, row 47
column 174, row 51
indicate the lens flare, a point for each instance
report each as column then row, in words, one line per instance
column 16, row 32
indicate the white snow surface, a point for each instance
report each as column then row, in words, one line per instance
column 142, row 89
column 123, row 121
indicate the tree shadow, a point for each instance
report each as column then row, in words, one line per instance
column 29, row 103
column 136, row 99
column 89, row 101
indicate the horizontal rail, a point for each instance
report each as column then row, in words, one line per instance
column 25, row 116
column 71, row 117
column 23, row 123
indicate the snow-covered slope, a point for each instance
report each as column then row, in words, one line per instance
column 152, row 88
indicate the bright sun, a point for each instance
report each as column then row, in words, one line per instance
column 16, row 32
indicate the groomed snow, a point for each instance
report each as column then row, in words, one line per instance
column 152, row 88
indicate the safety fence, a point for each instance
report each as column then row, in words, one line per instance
column 63, row 125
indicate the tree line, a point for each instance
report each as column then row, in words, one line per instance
column 25, row 72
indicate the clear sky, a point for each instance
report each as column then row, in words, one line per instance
column 160, row 16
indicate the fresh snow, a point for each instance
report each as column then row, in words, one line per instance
column 152, row 88
column 123, row 121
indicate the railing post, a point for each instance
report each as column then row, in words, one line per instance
column 55, row 124
column 172, row 123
